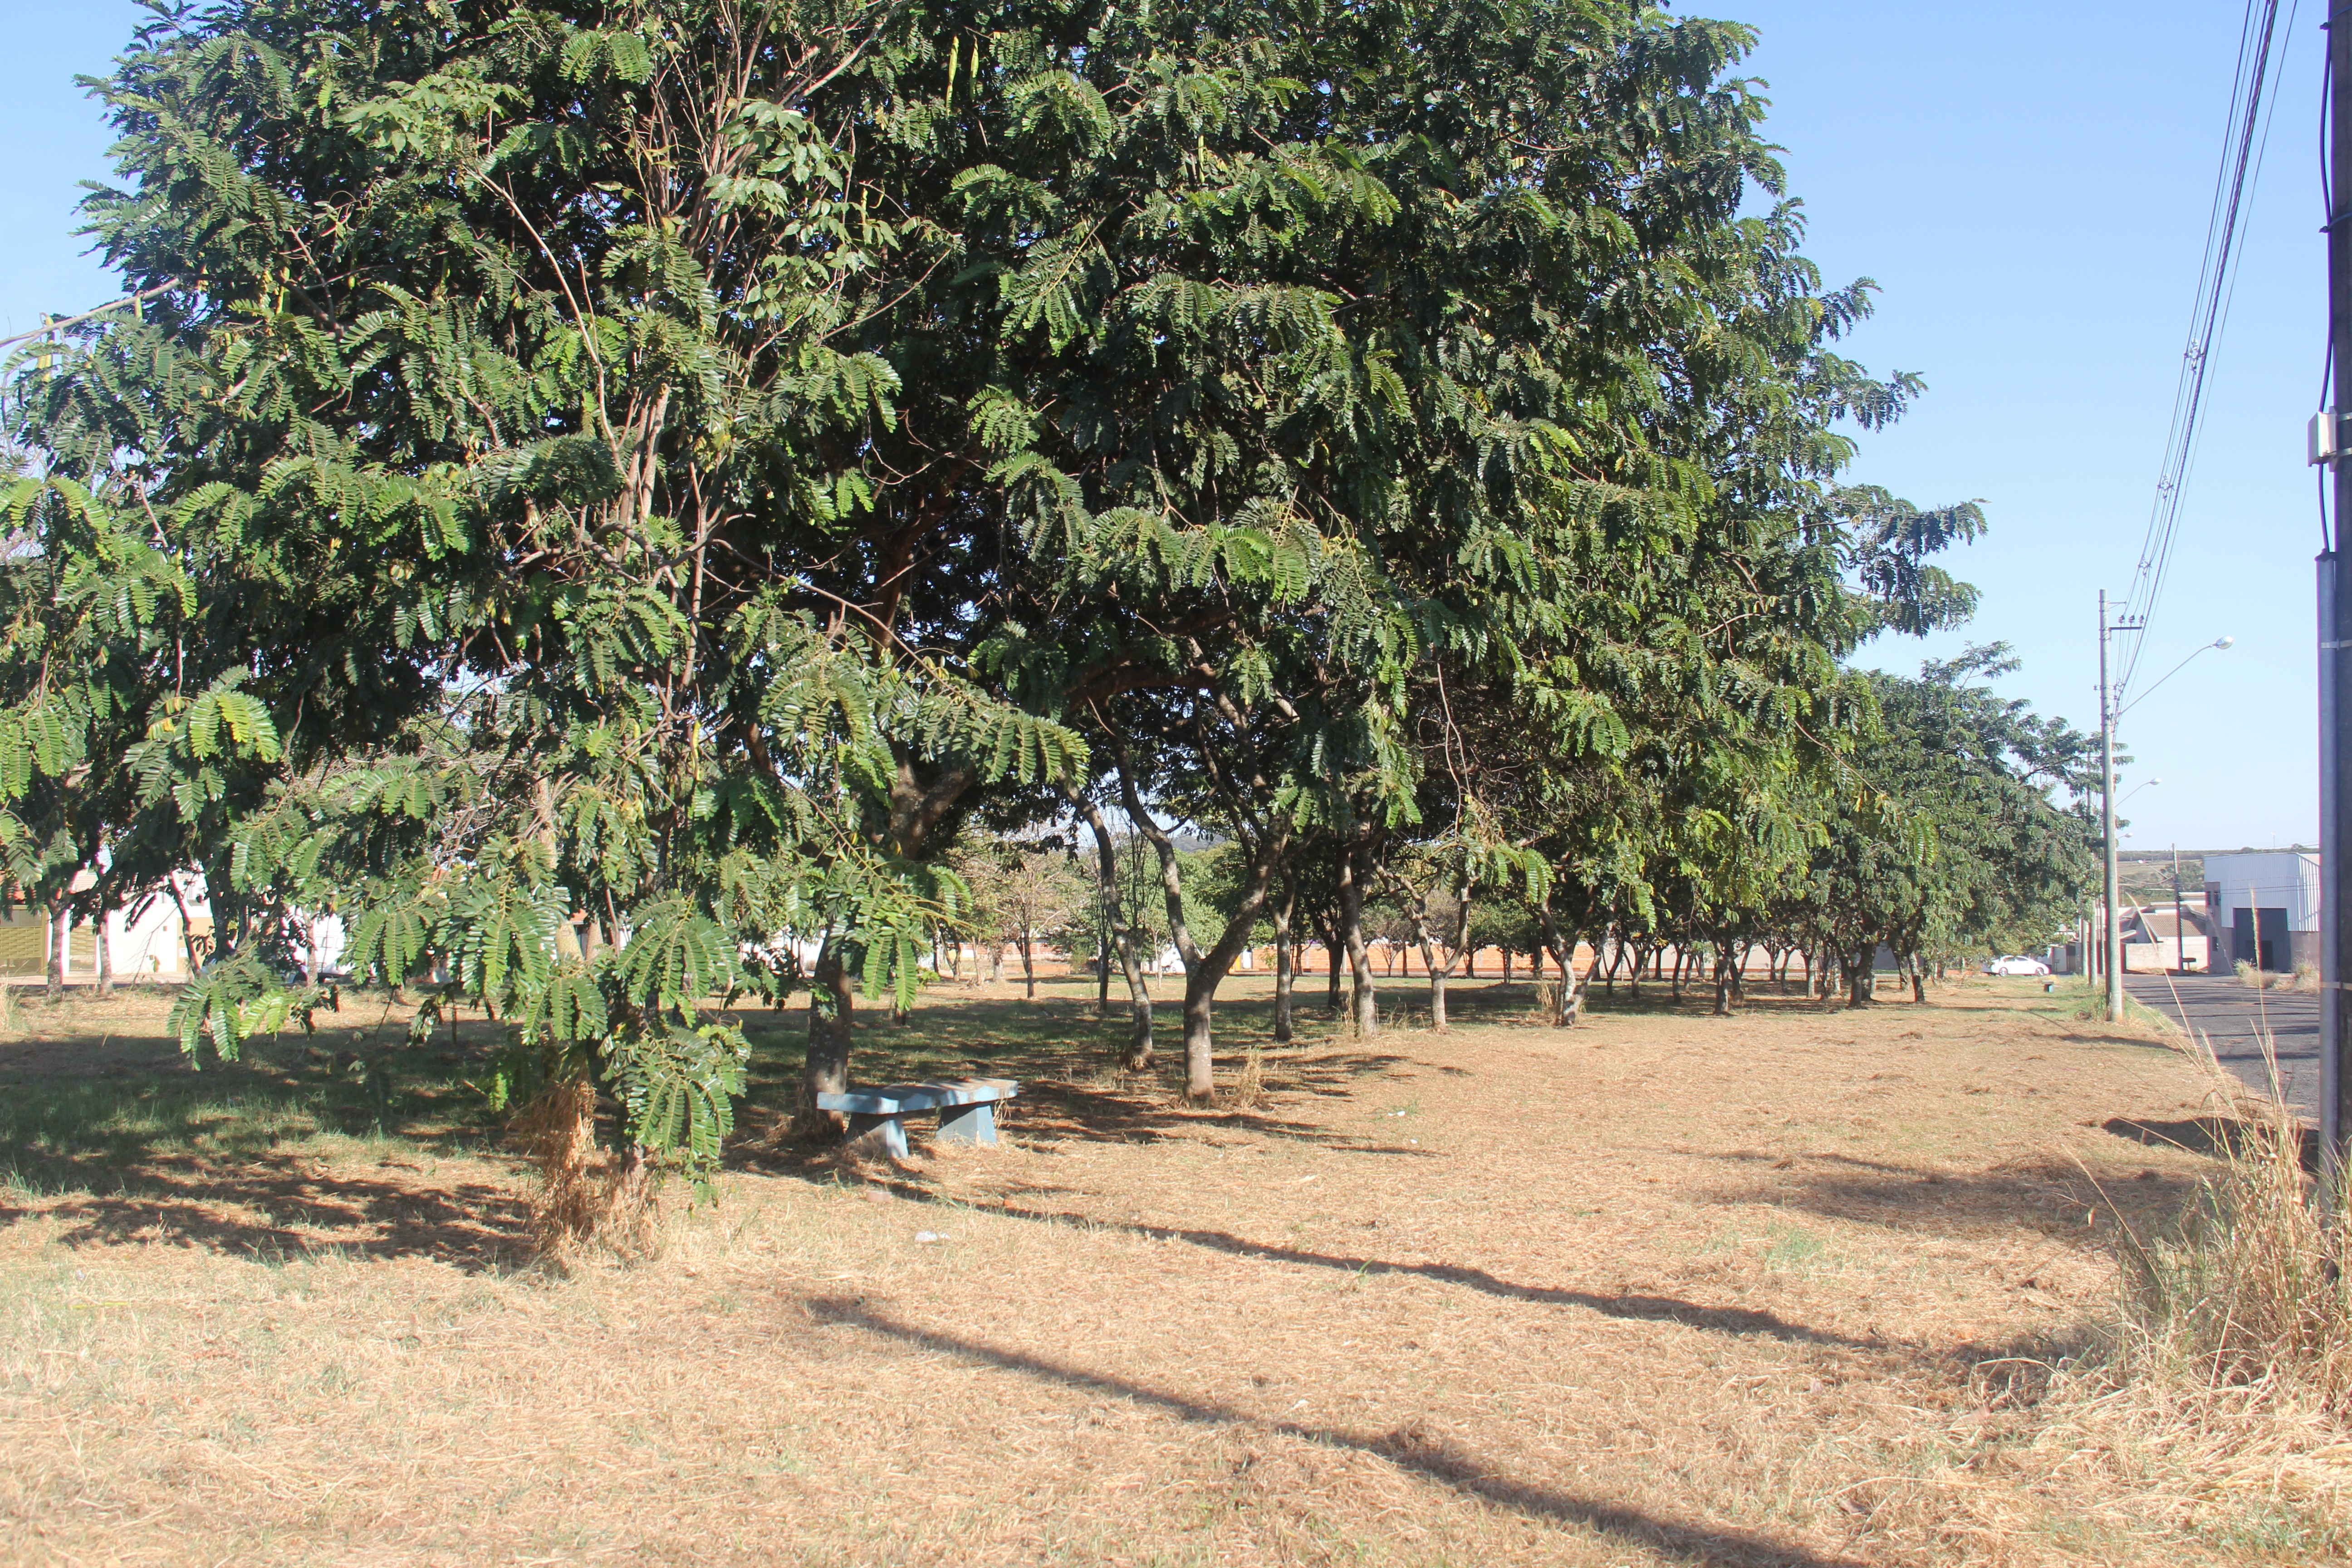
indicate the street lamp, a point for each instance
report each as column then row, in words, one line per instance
column 2218, row 645
column 2112, row 948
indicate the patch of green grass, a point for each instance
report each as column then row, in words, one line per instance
column 61, row 1135
column 1791, row 1249
column 69, row 1127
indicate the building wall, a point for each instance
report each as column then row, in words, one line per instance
column 2286, row 880
column 2163, row 954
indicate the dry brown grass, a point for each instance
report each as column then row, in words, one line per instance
column 583, row 1198
column 1799, row 1288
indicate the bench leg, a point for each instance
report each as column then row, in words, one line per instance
column 878, row 1135
column 968, row 1123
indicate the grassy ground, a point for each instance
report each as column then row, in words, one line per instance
column 1664, row 1289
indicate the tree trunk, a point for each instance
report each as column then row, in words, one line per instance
column 1569, row 1006
column 60, row 933
column 1507, row 963
column 1416, row 906
column 1138, row 1052
column 1204, row 971
column 833, row 995
column 1722, row 986
column 105, row 959
column 1028, row 966
column 1102, row 971
column 1860, row 977
column 1359, row 962
column 1437, row 973
column 1332, row 1004
column 543, row 827
column 1283, row 964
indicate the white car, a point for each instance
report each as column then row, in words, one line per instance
column 2015, row 964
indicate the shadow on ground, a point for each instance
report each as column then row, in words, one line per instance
column 2049, row 1198
column 2211, row 1135
column 1408, row 1449
column 283, row 1207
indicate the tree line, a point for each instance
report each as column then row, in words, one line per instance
column 617, row 503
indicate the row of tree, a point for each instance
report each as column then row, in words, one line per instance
column 608, row 497
column 1961, row 830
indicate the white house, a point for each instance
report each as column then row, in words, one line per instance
column 146, row 942
column 149, row 941
column 2263, row 909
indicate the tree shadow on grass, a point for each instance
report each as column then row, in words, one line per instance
column 280, row 1208
column 2049, row 1198
column 1738, row 1322
column 1408, row 1449
column 1065, row 1112
column 2209, row 1135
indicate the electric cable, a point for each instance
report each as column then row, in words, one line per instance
column 2248, row 136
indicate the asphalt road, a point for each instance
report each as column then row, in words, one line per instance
column 2235, row 1018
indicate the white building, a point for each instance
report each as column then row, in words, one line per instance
column 146, row 942
column 2263, row 909
column 149, row 941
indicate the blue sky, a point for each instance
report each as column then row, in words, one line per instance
column 2029, row 184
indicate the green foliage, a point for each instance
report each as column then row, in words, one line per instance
column 1952, row 845
column 677, row 1087
column 233, row 1001
column 645, row 479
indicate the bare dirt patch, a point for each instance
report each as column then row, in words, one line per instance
column 1659, row 1289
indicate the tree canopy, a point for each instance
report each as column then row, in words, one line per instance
column 603, row 493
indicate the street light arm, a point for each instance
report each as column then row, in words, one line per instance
column 2167, row 675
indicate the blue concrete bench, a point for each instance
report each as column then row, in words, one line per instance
column 878, row 1117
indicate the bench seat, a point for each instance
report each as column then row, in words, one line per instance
column 878, row 1117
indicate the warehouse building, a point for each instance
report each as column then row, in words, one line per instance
column 2263, row 909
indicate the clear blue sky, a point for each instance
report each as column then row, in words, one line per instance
column 2029, row 183
column 2029, row 186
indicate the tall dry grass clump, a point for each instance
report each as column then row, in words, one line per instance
column 588, row 1198
column 2223, row 1405
column 2250, row 1289
column 1248, row 1088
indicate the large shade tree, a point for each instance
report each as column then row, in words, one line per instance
column 487, row 390
column 641, row 472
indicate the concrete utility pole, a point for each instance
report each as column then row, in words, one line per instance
column 2335, row 622
column 2111, row 941
column 2180, row 919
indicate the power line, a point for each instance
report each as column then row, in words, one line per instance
column 2247, row 135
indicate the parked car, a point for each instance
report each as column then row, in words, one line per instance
column 2015, row 964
